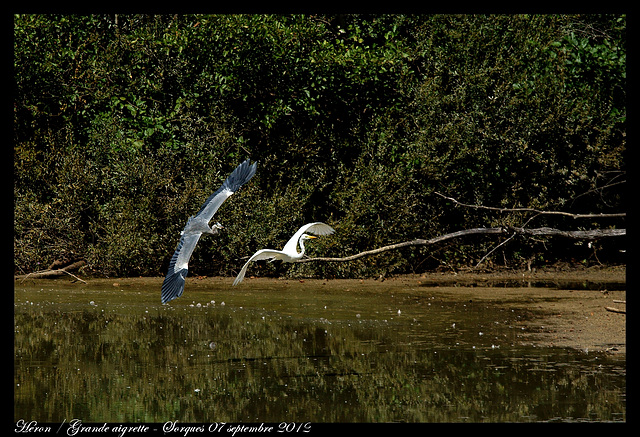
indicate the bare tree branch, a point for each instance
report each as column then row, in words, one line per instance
column 417, row 242
column 537, row 211
column 495, row 248
column 591, row 234
column 512, row 231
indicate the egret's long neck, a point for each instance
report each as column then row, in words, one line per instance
column 300, row 254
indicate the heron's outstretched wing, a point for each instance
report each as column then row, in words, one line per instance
column 316, row 228
column 261, row 254
column 240, row 176
column 173, row 284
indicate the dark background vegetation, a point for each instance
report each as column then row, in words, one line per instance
column 124, row 124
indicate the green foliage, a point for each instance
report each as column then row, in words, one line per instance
column 124, row 124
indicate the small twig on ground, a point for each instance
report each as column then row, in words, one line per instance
column 74, row 276
column 615, row 310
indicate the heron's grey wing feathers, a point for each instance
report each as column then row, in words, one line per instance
column 173, row 284
column 240, row 176
column 270, row 254
column 316, row 228
column 183, row 252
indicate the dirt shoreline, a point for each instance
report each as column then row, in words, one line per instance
column 573, row 314
column 576, row 314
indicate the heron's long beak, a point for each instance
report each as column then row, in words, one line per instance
column 311, row 236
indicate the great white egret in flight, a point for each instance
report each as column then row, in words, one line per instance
column 290, row 251
column 198, row 224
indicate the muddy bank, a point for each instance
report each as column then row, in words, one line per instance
column 567, row 308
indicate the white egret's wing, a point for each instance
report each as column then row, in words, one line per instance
column 270, row 254
column 316, row 228
column 240, row 176
column 173, row 284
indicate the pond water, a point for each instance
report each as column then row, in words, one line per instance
column 296, row 352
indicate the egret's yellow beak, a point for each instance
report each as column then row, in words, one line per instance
column 311, row 236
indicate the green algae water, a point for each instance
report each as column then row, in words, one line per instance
column 296, row 352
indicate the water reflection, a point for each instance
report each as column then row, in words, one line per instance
column 299, row 354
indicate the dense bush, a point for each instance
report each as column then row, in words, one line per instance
column 123, row 125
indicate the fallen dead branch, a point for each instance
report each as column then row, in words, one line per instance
column 55, row 272
column 591, row 234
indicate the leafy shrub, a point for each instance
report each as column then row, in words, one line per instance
column 124, row 124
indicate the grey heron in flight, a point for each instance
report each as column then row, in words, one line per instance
column 290, row 251
column 198, row 224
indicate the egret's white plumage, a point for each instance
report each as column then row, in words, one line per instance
column 198, row 224
column 290, row 251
